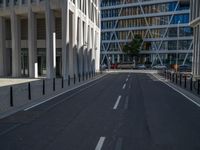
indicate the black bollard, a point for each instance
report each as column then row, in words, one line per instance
column 54, row 84
column 62, row 83
column 79, row 77
column 11, row 96
column 74, row 79
column 43, row 89
column 180, row 79
column 68, row 80
column 185, row 85
column 191, row 82
column 29, row 91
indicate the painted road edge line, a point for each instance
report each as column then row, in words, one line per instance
column 117, row 102
column 178, row 91
column 26, row 109
column 124, row 86
column 100, row 143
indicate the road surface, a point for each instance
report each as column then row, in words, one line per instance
column 121, row 111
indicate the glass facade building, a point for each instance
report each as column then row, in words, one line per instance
column 195, row 23
column 163, row 25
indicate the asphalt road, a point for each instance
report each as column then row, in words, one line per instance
column 125, row 111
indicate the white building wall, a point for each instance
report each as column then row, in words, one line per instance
column 49, row 10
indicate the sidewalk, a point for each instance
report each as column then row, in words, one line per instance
column 16, row 97
column 183, row 88
column 12, row 81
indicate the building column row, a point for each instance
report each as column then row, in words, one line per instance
column 81, row 52
column 2, row 46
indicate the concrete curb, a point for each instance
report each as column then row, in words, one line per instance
column 190, row 96
column 48, row 98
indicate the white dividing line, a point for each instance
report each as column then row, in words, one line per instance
column 178, row 91
column 127, row 80
column 126, row 103
column 64, row 93
column 118, row 145
column 100, row 143
column 124, row 86
column 117, row 102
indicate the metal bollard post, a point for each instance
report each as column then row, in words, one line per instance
column 191, row 82
column 83, row 76
column 176, row 78
column 62, row 83
column 68, row 80
column 54, row 84
column 180, row 79
column 74, row 79
column 43, row 89
column 79, row 77
column 29, row 91
column 11, row 96
column 185, row 85
column 173, row 77
column 198, row 89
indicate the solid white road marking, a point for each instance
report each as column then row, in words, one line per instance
column 117, row 102
column 127, row 80
column 100, row 143
column 124, row 86
column 178, row 91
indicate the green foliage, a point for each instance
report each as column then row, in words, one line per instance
column 133, row 48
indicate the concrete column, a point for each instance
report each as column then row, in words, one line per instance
column 75, row 46
column 97, row 59
column 50, row 51
column 88, row 49
column 80, row 46
column 85, row 47
column 32, row 45
column 71, row 44
column 2, row 46
column 65, row 38
column 16, row 45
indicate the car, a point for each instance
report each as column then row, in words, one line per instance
column 114, row 66
column 141, row 66
column 129, row 65
column 159, row 67
column 104, row 66
column 185, row 68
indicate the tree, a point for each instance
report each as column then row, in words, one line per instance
column 133, row 48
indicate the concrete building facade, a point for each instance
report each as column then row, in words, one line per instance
column 195, row 23
column 163, row 25
column 49, row 37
